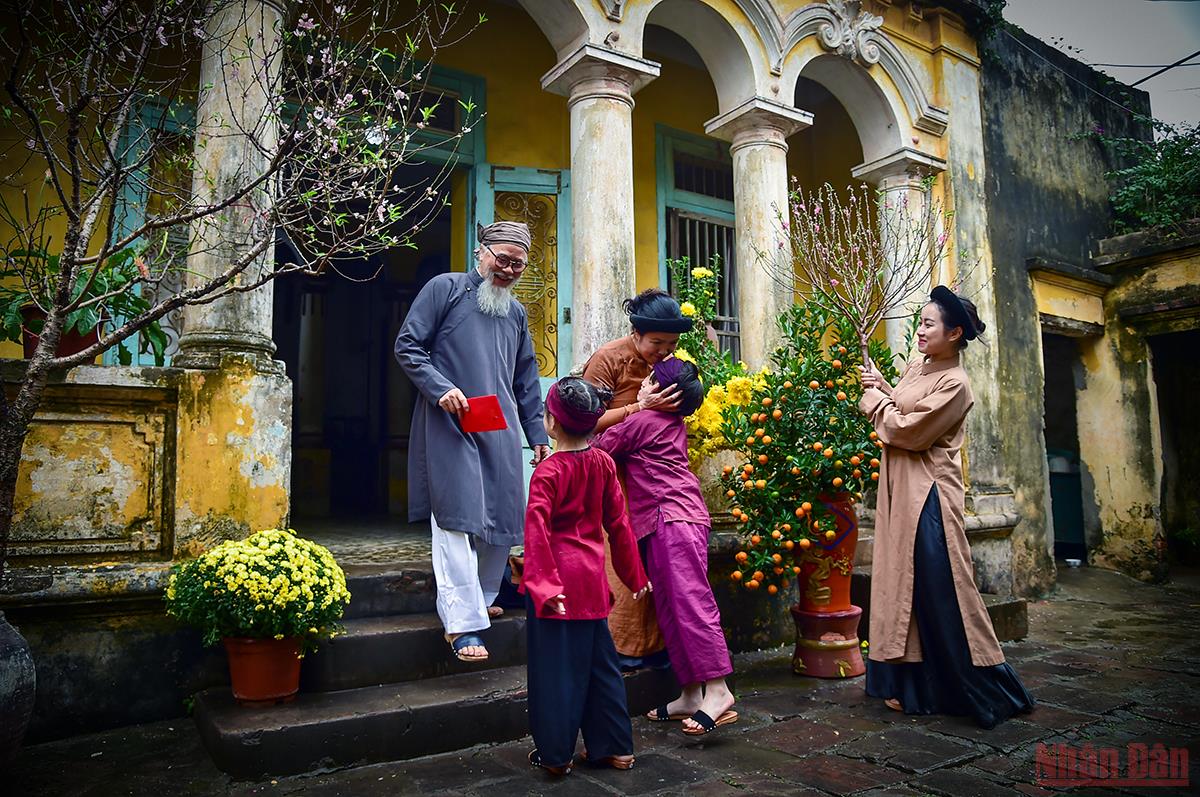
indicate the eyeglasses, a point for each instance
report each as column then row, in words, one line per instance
column 506, row 262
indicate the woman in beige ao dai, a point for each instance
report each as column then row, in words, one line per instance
column 933, row 649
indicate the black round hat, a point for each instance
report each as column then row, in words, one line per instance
column 956, row 314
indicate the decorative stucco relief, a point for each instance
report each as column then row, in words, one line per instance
column 853, row 32
column 844, row 27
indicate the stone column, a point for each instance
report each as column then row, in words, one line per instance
column 233, row 439
column 758, row 131
column 600, row 85
column 899, row 177
column 236, row 129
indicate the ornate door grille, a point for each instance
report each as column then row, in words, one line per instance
column 700, row 238
column 538, row 287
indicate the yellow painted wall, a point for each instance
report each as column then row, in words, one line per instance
column 825, row 152
column 682, row 98
column 529, row 127
column 1059, row 299
column 525, row 126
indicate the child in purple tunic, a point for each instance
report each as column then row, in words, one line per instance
column 671, row 523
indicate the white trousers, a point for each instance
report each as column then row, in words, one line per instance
column 468, row 573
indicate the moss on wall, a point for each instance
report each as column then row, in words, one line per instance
column 1047, row 197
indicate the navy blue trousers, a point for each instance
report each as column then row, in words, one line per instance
column 575, row 685
column 945, row 681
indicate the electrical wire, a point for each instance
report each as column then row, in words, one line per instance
column 1071, row 77
column 1144, row 66
column 1167, row 68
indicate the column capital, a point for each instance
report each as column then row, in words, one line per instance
column 758, row 121
column 904, row 168
column 593, row 68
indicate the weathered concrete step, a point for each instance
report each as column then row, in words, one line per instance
column 404, row 647
column 397, row 588
column 1010, row 616
column 322, row 730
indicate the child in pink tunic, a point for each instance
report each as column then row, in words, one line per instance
column 672, row 524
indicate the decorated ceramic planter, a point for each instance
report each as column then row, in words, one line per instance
column 827, row 644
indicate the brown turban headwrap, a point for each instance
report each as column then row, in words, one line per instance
column 505, row 232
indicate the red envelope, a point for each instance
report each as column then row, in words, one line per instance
column 485, row 415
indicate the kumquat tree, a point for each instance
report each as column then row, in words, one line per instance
column 805, row 443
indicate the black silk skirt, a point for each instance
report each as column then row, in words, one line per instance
column 945, row 682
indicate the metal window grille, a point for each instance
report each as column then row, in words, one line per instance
column 712, row 178
column 700, row 238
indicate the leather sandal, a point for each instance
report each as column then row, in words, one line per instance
column 614, row 761
column 661, row 714
column 467, row 640
column 708, row 724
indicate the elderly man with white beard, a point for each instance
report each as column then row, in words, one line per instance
column 467, row 336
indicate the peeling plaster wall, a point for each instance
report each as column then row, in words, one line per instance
column 235, row 454
column 125, row 470
column 1120, row 433
column 1120, row 454
column 1046, row 197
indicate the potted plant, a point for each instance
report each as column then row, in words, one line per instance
column 726, row 381
column 28, row 274
column 805, row 457
column 267, row 598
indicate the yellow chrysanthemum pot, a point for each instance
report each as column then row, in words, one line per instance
column 266, row 599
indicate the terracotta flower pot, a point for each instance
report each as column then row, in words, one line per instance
column 68, row 343
column 827, row 644
column 263, row 670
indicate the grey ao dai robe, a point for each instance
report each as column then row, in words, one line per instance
column 470, row 482
column 922, row 428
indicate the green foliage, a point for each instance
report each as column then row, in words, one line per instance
column 29, row 277
column 1161, row 189
column 272, row 584
column 695, row 288
column 802, row 440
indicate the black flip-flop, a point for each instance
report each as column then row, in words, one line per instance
column 708, row 724
column 535, row 759
column 468, row 640
column 661, row 714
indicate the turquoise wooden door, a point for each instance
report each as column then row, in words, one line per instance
column 540, row 198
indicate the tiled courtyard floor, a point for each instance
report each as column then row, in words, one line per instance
column 1112, row 661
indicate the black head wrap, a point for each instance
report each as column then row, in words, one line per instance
column 656, row 311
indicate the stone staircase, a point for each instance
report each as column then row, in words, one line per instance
column 388, row 689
